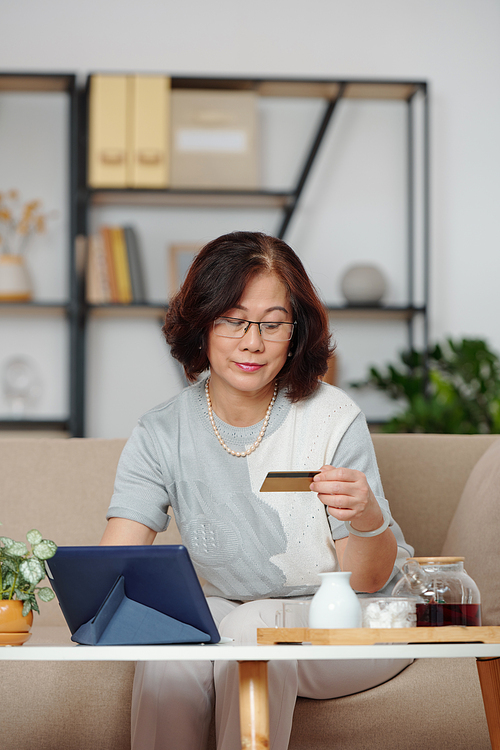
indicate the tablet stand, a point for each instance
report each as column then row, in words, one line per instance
column 120, row 621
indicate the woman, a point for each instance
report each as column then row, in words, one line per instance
column 248, row 314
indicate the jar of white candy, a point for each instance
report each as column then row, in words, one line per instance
column 389, row 611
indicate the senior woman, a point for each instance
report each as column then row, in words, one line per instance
column 248, row 316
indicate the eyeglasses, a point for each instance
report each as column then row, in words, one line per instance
column 235, row 328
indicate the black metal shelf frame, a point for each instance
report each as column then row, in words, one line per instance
column 65, row 83
column 286, row 202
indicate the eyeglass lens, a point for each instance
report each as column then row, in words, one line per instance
column 235, row 328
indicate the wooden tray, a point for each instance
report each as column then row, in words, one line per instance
column 360, row 636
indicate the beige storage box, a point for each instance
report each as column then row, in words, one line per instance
column 214, row 140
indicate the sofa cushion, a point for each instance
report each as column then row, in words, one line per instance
column 433, row 703
column 474, row 530
column 66, row 705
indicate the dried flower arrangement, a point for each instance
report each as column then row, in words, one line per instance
column 18, row 222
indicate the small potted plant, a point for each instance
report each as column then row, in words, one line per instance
column 21, row 571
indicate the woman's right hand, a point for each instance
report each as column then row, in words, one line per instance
column 122, row 531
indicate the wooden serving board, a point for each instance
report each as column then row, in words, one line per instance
column 361, row 636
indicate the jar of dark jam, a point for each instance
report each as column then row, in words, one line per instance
column 446, row 594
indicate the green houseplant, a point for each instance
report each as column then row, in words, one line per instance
column 452, row 387
column 22, row 569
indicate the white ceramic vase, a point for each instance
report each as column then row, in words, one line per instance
column 363, row 285
column 15, row 283
column 335, row 604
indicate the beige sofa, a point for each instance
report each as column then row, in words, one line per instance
column 62, row 487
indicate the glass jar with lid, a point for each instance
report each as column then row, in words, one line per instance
column 447, row 595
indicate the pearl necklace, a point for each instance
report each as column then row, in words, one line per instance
column 261, row 433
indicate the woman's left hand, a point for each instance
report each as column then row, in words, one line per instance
column 348, row 497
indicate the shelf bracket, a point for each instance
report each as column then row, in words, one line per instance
column 318, row 139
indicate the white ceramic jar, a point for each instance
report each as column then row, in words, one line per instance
column 364, row 284
column 335, row 604
column 15, row 285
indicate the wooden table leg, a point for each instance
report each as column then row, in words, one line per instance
column 489, row 678
column 254, row 705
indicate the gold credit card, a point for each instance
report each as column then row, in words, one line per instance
column 288, row 481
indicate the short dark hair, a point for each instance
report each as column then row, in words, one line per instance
column 215, row 283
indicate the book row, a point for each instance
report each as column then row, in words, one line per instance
column 114, row 271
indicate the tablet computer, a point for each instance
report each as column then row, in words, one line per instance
column 160, row 577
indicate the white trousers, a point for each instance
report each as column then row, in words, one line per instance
column 172, row 702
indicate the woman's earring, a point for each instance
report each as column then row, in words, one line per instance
column 289, row 354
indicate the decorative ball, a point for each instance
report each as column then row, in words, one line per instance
column 363, row 285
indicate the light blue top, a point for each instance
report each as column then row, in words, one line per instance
column 244, row 543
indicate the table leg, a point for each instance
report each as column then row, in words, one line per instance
column 254, row 705
column 489, row 678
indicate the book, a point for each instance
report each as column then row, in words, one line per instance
column 102, row 269
column 121, row 267
column 98, row 290
column 92, row 291
column 107, row 242
column 135, row 265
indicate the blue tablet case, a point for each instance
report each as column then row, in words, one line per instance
column 131, row 595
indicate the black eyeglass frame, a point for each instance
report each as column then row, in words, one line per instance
column 258, row 324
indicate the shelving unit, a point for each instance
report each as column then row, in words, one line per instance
column 285, row 202
column 376, row 312
column 83, row 200
column 39, row 83
column 195, row 198
column 33, row 308
column 152, row 310
column 332, row 92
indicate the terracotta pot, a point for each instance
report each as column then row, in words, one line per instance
column 15, row 285
column 14, row 628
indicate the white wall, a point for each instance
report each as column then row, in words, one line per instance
column 453, row 44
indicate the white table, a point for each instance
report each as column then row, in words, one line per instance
column 253, row 660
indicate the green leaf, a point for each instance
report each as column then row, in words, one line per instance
column 8, row 579
column 26, row 607
column 45, row 594
column 453, row 387
column 34, row 537
column 17, row 549
column 45, row 549
column 7, row 541
column 22, row 595
column 9, row 565
column 32, row 571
